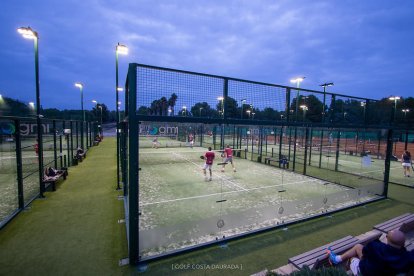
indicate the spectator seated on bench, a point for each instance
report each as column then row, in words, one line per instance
column 378, row 258
column 80, row 154
column 283, row 162
column 51, row 176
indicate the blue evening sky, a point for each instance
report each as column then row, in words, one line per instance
column 365, row 47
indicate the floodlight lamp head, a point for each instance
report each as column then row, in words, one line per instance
column 363, row 103
column 394, row 98
column 119, row 89
column 327, row 84
column 79, row 85
column 31, row 104
column 28, row 33
column 95, row 102
column 122, row 49
column 220, row 98
column 297, row 80
column 184, row 107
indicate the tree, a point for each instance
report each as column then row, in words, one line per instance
column 203, row 109
column 172, row 101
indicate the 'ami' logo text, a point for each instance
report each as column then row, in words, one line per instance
column 25, row 129
column 157, row 130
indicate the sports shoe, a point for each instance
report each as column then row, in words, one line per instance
column 234, row 170
column 222, row 170
column 332, row 256
column 210, row 179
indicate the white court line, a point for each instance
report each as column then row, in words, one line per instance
column 198, row 165
column 229, row 192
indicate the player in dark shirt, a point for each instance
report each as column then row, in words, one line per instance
column 378, row 258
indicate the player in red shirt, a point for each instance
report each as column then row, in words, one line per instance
column 228, row 154
column 208, row 157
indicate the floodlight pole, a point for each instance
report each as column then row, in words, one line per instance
column 324, row 98
column 27, row 32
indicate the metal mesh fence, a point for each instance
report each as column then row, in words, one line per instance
column 20, row 172
column 299, row 153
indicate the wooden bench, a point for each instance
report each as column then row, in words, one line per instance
column 318, row 257
column 277, row 160
column 51, row 180
column 404, row 223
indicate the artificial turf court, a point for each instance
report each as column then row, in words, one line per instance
column 75, row 230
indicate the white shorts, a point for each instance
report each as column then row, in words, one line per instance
column 207, row 166
column 406, row 164
column 354, row 266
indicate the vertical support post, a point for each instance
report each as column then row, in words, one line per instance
column 234, row 135
column 338, row 139
column 280, row 143
column 388, row 162
column 133, row 176
column 320, row 149
column 61, row 151
column 214, row 137
column 77, row 134
column 222, row 136
column 225, row 95
column 306, row 150
column 19, row 164
column 311, row 145
column 71, row 142
column 290, row 141
column 201, row 135
column 332, row 109
column 288, row 104
column 406, row 140
column 294, row 149
column 54, row 145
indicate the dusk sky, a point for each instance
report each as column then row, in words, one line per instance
column 365, row 47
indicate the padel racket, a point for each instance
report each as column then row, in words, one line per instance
column 202, row 157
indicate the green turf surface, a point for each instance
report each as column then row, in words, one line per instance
column 74, row 231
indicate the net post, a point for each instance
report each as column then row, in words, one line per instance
column 280, row 143
column 71, row 142
column 311, row 146
column 288, row 104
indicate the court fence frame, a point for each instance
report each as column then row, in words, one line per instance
column 18, row 139
column 129, row 133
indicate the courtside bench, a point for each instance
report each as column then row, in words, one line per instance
column 51, row 180
column 80, row 156
column 318, row 257
column 276, row 160
column 404, row 223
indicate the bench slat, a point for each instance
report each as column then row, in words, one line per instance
column 395, row 224
column 392, row 220
column 311, row 257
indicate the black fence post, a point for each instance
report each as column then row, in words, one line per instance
column 54, row 145
column 288, row 104
column 311, row 146
column 294, row 148
column 338, row 139
column 19, row 164
column 388, row 161
column 306, row 150
column 71, row 143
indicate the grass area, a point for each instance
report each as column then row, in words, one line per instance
column 74, row 230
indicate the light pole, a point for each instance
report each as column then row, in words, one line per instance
column 297, row 81
column 242, row 104
column 184, row 111
column 405, row 113
column 200, row 110
column 29, row 33
column 248, row 112
column 80, row 86
column 363, row 105
column 395, row 99
column 324, row 98
column 304, row 108
column 100, row 106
